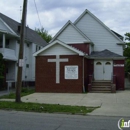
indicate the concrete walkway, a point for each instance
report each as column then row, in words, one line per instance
column 117, row 104
column 111, row 104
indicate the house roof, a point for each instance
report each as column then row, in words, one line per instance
column 105, row 54
column 62, row 44
column 87, row 11
column 30, row 35
column 65, row 26
column 120, row 36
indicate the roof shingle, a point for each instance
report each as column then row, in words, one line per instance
column 30, row 35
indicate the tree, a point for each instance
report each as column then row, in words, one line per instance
column 127, row 52
column 44, row 34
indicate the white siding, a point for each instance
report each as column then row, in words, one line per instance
column 3, row 27
column 71, row 35
column 28, row 73
column 58, row 49
column 99, row 35
column 33, row 61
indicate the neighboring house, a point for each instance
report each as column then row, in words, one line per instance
column 9, row 47
column 83, row 56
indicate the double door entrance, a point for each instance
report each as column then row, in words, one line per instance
column 103, row 69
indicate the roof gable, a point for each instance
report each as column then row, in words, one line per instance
column 99, row 21
column 53, row 49
column 68, row 31
column 5, row 28
column 30, row 35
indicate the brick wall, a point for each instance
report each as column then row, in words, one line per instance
column 81, row 46
column 118, row 71
column 46, row 75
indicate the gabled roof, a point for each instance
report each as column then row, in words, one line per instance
column 120, row 36
column 87, row 11
column 65, row 26
column 62, row 44
column 105, row 54
column 30, row 35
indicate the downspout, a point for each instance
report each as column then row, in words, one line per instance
column 83, row 77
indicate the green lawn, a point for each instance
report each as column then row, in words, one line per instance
column 49, row 108
column 24, row 92
column 37, row 107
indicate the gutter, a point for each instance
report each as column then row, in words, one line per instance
column 83, row 77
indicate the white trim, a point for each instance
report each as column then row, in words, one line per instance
column 7, row 26
column 122, row 43
column 63, row 28
column 80, row 42
column 86, row 11
column 61, row 43
column 107, row 58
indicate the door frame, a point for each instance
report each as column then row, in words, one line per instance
column 100, row 74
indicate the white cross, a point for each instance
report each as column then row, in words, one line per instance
column 58, row 60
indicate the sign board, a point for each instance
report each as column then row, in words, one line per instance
column 21, row 62
column 71, row 72
column 119, row 65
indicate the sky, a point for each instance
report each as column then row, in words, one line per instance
column 54, row 14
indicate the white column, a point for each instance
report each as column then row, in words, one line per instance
column 3, row 40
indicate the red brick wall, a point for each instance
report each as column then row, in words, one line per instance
column 82, row 46
column 119, row 73
column 46, row 75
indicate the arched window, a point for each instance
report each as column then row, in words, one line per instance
column 107, row 63
column 98, row 63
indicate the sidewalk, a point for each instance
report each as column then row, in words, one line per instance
column 111, row 104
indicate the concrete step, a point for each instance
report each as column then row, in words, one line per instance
column 101, row 83
column 101, row 86
column 101, row 89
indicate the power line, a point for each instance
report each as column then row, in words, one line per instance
column 37, row 13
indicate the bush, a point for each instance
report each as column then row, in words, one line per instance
column 127, row 65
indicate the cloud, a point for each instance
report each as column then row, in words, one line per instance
column 54, row 13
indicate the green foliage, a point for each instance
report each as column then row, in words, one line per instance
column 127, row 65
column 2, row 66
column 127, row 50
column 44, row 34
column 127, row 53
column 127, row 36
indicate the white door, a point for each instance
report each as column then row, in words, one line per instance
column 103, row 69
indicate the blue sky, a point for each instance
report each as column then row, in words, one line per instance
column 55, row 13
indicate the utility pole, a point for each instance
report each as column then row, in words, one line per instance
column 21, row 50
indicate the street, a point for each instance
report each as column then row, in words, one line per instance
column 15, row 120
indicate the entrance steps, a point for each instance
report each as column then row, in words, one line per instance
column 102, row 86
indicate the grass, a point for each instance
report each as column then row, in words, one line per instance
column 24, row 92
column 49, row 108
column 36, row 107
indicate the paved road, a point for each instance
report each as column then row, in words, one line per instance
column 13, row 120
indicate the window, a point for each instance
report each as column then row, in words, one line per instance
column 27, row 44
column 27, row 65
column 108, row 63
column 98, row 63
column 7, row 43
column 36, row 47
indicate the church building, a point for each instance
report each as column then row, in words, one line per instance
column 84, row 56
